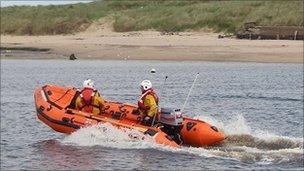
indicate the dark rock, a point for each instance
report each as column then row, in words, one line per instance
column 72, row 56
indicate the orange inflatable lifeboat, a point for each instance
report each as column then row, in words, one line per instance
column 54, row 105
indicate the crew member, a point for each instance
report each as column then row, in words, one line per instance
column 89, row 100
column 148, row 102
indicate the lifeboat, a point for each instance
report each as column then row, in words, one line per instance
column 55, row 107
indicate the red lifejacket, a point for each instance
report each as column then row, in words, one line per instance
column 141, row 104
column 87, row 95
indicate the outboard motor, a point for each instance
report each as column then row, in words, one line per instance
column 172, row 120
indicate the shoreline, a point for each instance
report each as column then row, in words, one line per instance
column 66, row 58
column 151, row 45
column 152, row 60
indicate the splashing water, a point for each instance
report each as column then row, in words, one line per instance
column 236, row 125
column 107, row 135
column 241, row 143
column 259, row 146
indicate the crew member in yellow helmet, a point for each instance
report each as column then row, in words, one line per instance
column 89, row 100
column 148, row 102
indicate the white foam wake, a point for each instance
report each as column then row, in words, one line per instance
column 245, row 144
column 107, row 135
column 238, row 126
column 241, row 143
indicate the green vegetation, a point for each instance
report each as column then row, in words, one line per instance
column 178, row 15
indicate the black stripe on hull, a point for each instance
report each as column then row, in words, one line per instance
column 63, row 123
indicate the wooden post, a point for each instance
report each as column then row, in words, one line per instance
column 295, row 35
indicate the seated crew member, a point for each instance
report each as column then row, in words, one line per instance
column 89, row 100
column 148, row 102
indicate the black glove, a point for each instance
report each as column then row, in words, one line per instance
column 147, row 120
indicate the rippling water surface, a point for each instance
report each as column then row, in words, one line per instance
column 259, row 107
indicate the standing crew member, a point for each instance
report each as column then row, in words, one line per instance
column 148, row 102
column 89, row 99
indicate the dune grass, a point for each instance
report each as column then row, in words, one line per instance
column 160, row 15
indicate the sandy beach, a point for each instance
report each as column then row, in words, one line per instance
column 99, row 42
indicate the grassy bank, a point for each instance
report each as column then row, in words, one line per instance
column 227, row 16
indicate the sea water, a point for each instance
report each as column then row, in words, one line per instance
column 259, row 106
